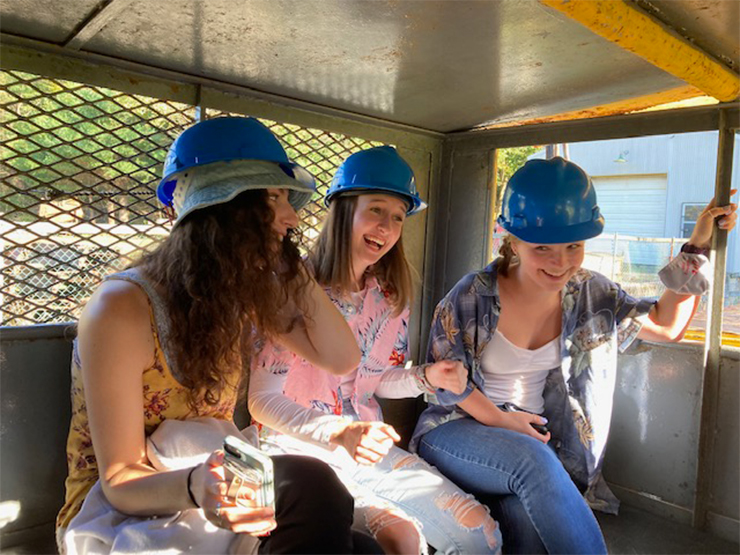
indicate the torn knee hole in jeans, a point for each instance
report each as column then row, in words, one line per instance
column 408, row 459
column 469, row 514
column 378, row 518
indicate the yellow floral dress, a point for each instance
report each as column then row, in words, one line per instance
column 164, row 398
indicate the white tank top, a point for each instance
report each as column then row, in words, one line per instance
column 516, row 375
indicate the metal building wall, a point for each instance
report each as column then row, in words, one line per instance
column 688, row 159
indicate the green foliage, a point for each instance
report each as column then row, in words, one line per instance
column 508, row 160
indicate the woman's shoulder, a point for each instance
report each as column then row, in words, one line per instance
column 116, row 301
column 590, row 279
column 478, row 282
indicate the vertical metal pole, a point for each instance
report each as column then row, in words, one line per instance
column 712, row 341
column 614, row 256
column 493, row 188
column 200, row 111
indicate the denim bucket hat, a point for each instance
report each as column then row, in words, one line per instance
column 215, row 160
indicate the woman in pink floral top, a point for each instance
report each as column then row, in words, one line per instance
column 359, row 259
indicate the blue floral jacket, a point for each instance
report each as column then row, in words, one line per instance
column 598, row 322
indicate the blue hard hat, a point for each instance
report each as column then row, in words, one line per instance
column 377, row 170
column 234, row 142
column 551, row 201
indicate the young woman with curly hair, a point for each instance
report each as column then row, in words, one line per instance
column 164, row 346
column 359, row 259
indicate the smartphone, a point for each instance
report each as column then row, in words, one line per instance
column 245, row 463
column 511, row 407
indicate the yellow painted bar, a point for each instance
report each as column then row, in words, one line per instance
column 632, row 29
column 614, row 108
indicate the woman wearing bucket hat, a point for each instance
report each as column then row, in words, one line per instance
column 160, row 356
column 359, row 259
column 539, row 336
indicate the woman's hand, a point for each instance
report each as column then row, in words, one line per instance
column 366, row 442
column 522, row 422
column 724, row 216
column 238, row 512
column 448, row 374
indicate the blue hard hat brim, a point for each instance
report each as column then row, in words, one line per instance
column 556, row 235
column 415, row 204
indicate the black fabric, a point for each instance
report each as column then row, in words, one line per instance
column 313, row 511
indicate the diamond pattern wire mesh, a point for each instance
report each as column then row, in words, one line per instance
column 79, row 168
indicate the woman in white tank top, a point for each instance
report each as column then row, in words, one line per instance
column 537, row 330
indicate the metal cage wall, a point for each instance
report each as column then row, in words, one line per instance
column 79, row 166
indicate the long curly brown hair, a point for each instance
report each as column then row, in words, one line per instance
column 222, row 274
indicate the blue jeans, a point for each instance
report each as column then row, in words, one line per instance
column 487, row 461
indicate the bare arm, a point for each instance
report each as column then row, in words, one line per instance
column 323, row 337
column 486, row 412
column 116, row 346
column 669, row 319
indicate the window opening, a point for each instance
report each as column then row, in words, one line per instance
column 689, row 215
column 650, row 190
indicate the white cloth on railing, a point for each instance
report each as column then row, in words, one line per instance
column 687, row 274
column 100, row 529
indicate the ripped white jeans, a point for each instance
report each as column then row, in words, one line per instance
column 405, row 488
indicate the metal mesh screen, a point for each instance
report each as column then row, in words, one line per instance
column 79, row 168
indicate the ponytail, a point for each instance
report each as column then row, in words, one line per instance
column 506, row 256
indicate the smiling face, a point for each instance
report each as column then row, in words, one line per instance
column 548, row 266
column 376, row 228
column 285, row 216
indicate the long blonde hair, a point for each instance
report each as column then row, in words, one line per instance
column 331, row 258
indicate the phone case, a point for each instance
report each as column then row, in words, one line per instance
column 248, row 464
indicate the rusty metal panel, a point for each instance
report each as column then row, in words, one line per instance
column 653, row 443
column 35, row 414
column 40, row 19
column 724, row 493
column 653, row 448
column 466, row 212
column 713, row 26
